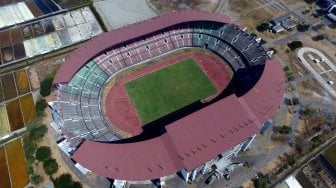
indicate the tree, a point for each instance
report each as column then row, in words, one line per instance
column 319, row 37
column 35, row 179
column 40, row 106
column 263, row 27
column 303, row 27
column 65, row 181
column 43, row 153
column 50, row 166
column 295, row 101
column 254, row 35
column 285, row 130
column 291, row 160
column 45, row 88
column 294, row 45
column 38, row 132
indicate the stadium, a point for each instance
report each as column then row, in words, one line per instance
column 180, row 93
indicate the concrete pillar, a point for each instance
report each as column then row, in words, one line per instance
column 193, row 174
column 185, row 175
column 250, row 142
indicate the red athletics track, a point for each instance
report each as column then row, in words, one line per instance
column 119, row 108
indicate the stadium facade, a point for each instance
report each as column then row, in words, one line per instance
column 203, row 139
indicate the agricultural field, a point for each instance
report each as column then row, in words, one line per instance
column 28, row 108
column 330, row 154
column 4, row 175
column 17, row 164
column 9, row 88
column 22, row 82
column 4, row 124
column 14, row 115
column 13, row 85
column 169, row 89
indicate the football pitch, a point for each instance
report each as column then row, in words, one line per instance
column 171, row 88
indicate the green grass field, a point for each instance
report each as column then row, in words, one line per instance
column 330, row 154
column 169, row 89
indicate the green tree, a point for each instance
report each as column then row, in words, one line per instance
column 65, row 181
column 319, row 37
column 45, row 88
column 294, row 45
column 50, row 166
column 37, row 132
column 285, row 130
column 291, row 160
column 295, row 101
column 263, row 27
column 40, row 107
column 303, row 27
column 43, row 153
column 35, row 179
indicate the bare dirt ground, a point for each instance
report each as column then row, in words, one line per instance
column 39, row 71
column 175, row 5
column 294, row 4
column 271, row 165
column 248, row 184
column 329, row 32
column 50, row 141
column 328, row 49
column 250, row 13
column 312, row 91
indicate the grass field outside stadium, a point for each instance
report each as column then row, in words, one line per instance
column 162, row 92
column 330, row 154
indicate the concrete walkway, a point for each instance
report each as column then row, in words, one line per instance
column 323, row 82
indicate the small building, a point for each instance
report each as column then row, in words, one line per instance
column 282, row 23
column 277, row 29
column 288, row 24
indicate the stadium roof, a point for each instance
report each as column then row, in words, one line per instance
column 192, row 140
column 98, row 44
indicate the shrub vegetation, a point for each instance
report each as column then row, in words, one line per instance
column 46, row 84
column 43, row 153
column 303, row 27
column 263, row 27
column 294, row 45
column 65, row 181
column 50, row 166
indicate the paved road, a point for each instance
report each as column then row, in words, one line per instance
column 323, row 82
column 284, row 40
column 327, row 106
